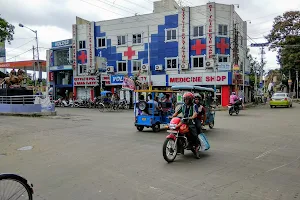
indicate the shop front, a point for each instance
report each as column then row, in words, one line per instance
column 222, row 80
column 60, row 78
column 84, row 86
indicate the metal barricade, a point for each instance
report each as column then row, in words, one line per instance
column 22, row 99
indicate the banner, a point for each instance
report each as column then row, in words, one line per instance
column 128, row 83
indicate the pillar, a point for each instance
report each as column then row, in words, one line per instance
column 225, row 93
column 92, row 94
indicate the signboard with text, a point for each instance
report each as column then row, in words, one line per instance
column 62, row 43
column 221, row 78
column 85, row 81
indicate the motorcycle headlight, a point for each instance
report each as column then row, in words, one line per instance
column 172, row 126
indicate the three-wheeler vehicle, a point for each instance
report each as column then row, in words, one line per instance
column 153, row 108
column 208, row 102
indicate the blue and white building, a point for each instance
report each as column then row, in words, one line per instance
column 59, row 63
column 175, row 45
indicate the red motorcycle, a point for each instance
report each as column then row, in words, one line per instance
column 178, row 140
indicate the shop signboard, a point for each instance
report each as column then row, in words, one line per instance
column 219, row 78
column 85, row 81
column 224, row 67
column 62, row 43
column 61, row 67
column 116, row 79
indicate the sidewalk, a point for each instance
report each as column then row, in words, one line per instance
column 246, row 105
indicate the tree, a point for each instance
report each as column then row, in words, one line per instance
column 6, row 31
column 285, row 38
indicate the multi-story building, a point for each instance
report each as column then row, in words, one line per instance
column 173, row 45
column 59, row 61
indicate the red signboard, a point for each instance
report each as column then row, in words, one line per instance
column 51, row 76
column 85, row 81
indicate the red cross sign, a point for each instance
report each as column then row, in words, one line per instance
column 129, row 53
column 198, row 47
column 223, row 46
column 82, row 57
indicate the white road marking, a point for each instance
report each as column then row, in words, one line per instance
column 284, row 165
column 268, row 152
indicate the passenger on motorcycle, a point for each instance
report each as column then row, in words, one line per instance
column 233, row 98
column 190, row 111
column 201, row 113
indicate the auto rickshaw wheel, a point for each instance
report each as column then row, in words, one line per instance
column 140, row 128
column 211, row 124
column 156, row 127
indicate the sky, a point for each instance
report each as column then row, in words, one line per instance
column 53, row 20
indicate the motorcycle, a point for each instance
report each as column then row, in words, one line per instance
column 235, row 108
column 123, row 104
column 178, row 140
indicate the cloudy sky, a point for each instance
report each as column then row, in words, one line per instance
column 53, row 19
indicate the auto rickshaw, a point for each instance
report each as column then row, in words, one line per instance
column 149, row 114
column 208, row 101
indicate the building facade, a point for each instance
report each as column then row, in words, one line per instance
column 171, row 46
column 59, row 62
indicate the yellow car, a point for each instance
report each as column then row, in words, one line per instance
column 281, row 99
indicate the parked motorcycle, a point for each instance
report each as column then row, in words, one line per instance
column 123, row 104
column 178, row 140
column 235, row 108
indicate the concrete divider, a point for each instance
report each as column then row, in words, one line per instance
column 27, row 109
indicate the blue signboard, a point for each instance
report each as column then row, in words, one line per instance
column 116, row 79
column 62, row 43
column 224, row 67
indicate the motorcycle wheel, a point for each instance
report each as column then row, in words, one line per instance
column 230, row 111
column 101, row 107
column 237, row 111
column 168, row 152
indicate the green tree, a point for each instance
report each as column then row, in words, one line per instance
column 285, row 39
column 6, row 31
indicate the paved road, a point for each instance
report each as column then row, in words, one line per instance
column 84, row 154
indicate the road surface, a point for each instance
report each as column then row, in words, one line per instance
column 85, row 154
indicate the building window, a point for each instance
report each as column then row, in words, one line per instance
column 171, row 35
column 171, row 63
column 242, row 41
column 198, row 31
column 122, row 66
column 223, row 29
column 137, row 38
column 198, row 62
column 223, row 59
column 101, row 42
column 136, row 65
column 82, row 44
column 61, row 57
column 121, row 39
column 82, row 69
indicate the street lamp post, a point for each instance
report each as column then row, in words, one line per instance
column 38, row 54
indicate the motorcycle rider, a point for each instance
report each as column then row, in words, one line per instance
column 190, row 111
column 233, row 98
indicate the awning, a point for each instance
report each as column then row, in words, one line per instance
column 25, row 65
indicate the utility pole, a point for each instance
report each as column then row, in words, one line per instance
column 297, row 84
column 33, row 75
column 149, row 64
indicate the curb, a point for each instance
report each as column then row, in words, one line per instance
column 225, row 108
column 29, row 114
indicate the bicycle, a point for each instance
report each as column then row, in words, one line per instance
column 13, row 187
